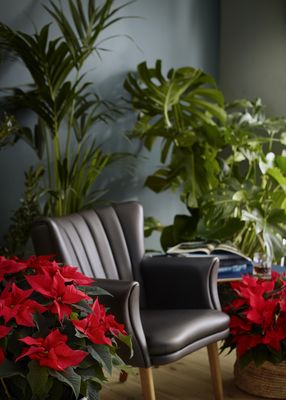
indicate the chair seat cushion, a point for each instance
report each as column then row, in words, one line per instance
column 170, row 331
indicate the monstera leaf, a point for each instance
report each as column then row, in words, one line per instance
column 172, row 106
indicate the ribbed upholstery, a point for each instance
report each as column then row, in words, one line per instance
column 101, row 242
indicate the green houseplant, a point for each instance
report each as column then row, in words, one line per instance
column 56, row 340
column 63, row 101
column 219, row 157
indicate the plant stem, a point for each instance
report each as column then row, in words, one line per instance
column 57, row 155
column 6, row 389
column 49, row 163
column 70, row 121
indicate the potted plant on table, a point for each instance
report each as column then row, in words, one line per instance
column 56, row 339
column 257, row 333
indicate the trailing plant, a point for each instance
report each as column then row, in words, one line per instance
column 220, row 158
column 63, row 101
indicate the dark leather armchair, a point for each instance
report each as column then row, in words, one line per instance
column 169, row 305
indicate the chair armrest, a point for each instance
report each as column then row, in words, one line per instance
column 124, row 304
column 181, row 282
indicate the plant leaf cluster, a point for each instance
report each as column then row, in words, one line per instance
column 225, row 160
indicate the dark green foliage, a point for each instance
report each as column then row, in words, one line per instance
column 15, row 240
column 219, row 158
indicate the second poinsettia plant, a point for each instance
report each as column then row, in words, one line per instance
column 258, row 319
column 56, row 339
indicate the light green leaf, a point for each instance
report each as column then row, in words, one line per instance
column 278, row 176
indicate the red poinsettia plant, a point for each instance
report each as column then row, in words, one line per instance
column 258, row 319
column 56, row 339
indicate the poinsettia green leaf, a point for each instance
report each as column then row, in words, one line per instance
column 93, row 390
column 38, row 379
column 261, row 356
column 93, row 371
column 120, row 364
column 93, row 290
column 9, row 368
column 101, row 353
column 83, row 306
column 245, row 359
column 69, row 377
column 41, row 323
column 127, row 340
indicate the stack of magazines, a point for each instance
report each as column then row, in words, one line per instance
column 231, row 258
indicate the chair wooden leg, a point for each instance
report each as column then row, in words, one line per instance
column 215, row 371
column 147, row 383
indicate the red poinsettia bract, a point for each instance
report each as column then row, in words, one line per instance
column 52, row 351
column 54, row 287
column 97, row 324
column 258, row 313
column 15, row 303
column 11, row 266
column 47, row 264
column 42, row 305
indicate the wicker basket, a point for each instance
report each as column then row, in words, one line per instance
column 267, row 380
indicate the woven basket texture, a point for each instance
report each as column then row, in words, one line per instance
column 266, row 381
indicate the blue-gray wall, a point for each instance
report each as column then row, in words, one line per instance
column 253, row 52
column 181, row 33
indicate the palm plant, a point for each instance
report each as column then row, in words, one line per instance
column 216, row 156
column 63, row 101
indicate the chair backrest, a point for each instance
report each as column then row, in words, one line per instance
column 105, row 242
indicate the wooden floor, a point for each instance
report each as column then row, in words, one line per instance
column 187, row 379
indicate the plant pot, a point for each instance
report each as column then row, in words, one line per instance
column 267, row 380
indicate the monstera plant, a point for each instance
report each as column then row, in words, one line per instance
column 63, row 100
column 225, row 161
